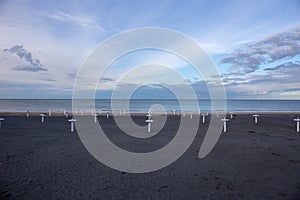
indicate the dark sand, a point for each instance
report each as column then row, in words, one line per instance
column 46, row 161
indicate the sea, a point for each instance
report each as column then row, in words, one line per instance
column 143, row 105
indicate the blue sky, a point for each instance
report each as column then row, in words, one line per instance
column 254, row 44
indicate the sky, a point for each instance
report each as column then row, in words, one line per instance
column 255, row 46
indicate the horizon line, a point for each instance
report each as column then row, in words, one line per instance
column 206, row 99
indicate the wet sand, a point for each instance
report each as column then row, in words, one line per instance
column 250, row 161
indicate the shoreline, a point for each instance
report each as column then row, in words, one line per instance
column 12, row 113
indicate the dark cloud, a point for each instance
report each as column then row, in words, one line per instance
column 187, row 81
column 72, row 75
column 285, row 73
column 284, row 67
column 280, row 46
column 104, row 80
column 48, row 79
column 280, row 50
column 33, row 65
column 29, row 68
column 283, row 78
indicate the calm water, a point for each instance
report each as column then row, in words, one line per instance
column 138, row 106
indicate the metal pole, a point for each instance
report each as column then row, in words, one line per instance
column 149, row 127
column 72, row 127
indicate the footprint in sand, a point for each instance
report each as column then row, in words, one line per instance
column 5, row 194
column 276, row 154
column 294, row 160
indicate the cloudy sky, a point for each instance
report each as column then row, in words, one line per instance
column 254, row 44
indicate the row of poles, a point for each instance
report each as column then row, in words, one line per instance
column 148, row 120
column 80, row 112
column 224, row 120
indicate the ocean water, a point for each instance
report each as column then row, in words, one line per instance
column 143, row 105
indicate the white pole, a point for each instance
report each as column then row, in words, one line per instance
column 72, row 127
column 174, row 112
column 49, row 112
column 231, row 115
column 64, row 112
column 27, row 114
column 298, row 121
column 107, row 115
column 95, row 118
column 81, row 112
column 191, row 116
column 42, row 115
column 149, row 127
column 72, row 124
column 255, row 118
column 203, row 118
column 225, row 125
column 149, row 121
column 67, row 115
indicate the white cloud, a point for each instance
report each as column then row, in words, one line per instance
column 76, row 19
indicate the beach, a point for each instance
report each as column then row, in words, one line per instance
column 250, row 161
